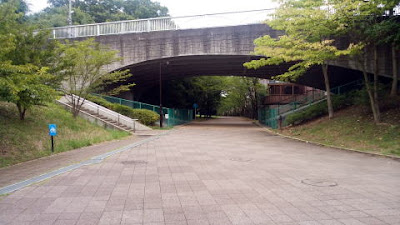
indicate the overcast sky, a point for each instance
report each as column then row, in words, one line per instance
column 192, row 7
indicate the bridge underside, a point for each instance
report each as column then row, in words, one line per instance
column 147, row 74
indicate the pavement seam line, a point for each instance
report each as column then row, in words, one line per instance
column 94, row 160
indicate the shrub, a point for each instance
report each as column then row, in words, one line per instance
column 122, row 109
column 146, row 117
column 317, row 110
column 99, row 100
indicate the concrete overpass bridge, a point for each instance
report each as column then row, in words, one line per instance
column 202, row 45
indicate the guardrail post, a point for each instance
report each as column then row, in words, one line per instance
column 148, row 25
column 54, row 34
column 98, row 30
column 122, row 27
column 118, row 120
column 98, row 110
column 134, row 126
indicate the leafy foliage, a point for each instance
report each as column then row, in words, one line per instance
column 26, row 86
column 146, row 117
column 8, row 23
column 241, row 97
column 24, row 60
column 309, row 26
column 222, row 95
column 95, row 11
column 82, row 71
column 183, row 93
column 317, row 110
column 365, row 25
column 100, row 101
column 57, row 17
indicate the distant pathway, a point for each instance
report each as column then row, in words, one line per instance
column 220, row 171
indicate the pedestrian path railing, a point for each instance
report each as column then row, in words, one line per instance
column 163, row 24
column 99, row 110
column 271, row 116
column 172, row 116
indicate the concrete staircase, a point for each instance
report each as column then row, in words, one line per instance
column 104, row 116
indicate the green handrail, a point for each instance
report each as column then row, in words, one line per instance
column 175, row 116
column 270, row 116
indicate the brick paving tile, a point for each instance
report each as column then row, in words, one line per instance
column 223, row 171
column 37, row 167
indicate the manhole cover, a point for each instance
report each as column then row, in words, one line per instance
column 319, row 182
column 134, row 162
column 241, row 159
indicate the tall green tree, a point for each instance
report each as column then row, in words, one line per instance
column 367, row 24
column 241, row 97
column 8, row 23
column 97, row 11
column 309, row 26
column 208, row 94
column 24, row 57
column 57, row 17
column 26, row 86
column 82, row 71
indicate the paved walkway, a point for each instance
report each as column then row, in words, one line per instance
column 12, row 174
column 221, row 171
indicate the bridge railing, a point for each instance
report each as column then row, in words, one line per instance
column 163, row 23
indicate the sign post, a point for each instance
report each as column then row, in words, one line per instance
column 52, row 133
column 195, row 106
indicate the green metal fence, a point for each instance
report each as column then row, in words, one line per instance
column 270, row 116
column 357, row 84
column 172, row 117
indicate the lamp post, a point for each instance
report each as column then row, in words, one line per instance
column 70, row 13
column 161, row 109
column 160, row 81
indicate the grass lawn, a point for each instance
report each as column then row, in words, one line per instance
column 353, row 128
column 25, row 140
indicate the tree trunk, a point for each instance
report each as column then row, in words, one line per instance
column 328, row 90
column 21, row 111
column 377, row 117
column 256, row 105
column 394, row 90
column 76, row 102
column 369, row 89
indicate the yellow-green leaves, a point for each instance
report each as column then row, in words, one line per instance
column 310, row 27
column 82, row 69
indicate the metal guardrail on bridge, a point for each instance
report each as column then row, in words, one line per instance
column 163, row 23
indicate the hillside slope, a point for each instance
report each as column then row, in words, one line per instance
column 353, row 128
column 25, row 140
